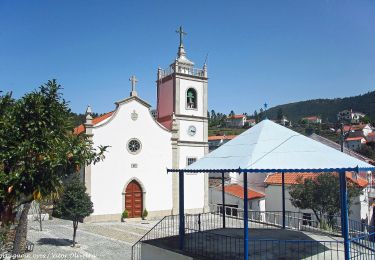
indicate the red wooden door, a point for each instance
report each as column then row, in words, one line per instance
column 133, row 199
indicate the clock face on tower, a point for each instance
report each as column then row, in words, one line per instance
column 192, row 130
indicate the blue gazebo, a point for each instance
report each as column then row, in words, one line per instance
column 271, row 148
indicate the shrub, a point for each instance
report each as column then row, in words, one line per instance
column 144, row 214
column 125, row 214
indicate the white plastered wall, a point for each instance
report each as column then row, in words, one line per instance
column 254, row 204
column 358, row 210
column 110, row 176
column 194, row 182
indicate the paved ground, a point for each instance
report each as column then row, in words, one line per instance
column 264, row 244
column 96, row 240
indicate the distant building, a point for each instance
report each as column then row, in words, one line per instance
column 234, row 198
column 312, row 119
column 350, row 116
column 250, row 122
column 236, row 121
column 357, row 130
column 359, row 210
column 285, row 122
column 370, row 138
column 355, row 143
column 218, row 140
column 337, row 146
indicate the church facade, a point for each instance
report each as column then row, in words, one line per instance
column 133, row 175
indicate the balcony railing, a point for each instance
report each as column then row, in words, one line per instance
column 182, row 70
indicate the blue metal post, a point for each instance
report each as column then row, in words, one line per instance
column 223, row 196
column 344, row 214
column 283, row 196
column 181, row 209
column 245, row 218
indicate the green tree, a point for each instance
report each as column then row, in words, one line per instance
column 261, row 115
column 367, row 151
column 321, row 195
column 75, row 204
column 365, row 120
column 280, row 114
column 213, row 114
column 37, row 151
column 231, row 113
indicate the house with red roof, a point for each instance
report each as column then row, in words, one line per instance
column 236, row 121
column 370, row 138
column 234, row 198
column 354, row 143
column 360, row 209
column 215, row 141
column 358, row 130
column 250, row 122
column 312, row 119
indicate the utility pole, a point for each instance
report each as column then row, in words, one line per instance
column 342, row 137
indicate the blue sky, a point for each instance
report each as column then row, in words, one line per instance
column 276, row 51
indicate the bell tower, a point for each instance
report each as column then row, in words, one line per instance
column 182, row 107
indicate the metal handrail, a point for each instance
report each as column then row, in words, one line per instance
column 147, row 233
column 211, row 220
column 153, row 231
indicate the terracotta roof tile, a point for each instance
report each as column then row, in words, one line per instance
column 292, row 178
column 358, row 138
column 236, row 116
column 311, row 118
column 348, row 128
column 221, row 137
column 237, row 190
column 81, row 128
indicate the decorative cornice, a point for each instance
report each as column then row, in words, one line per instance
column 189, row 76
column 192, row 143
column 127, row 100
column 192, row 117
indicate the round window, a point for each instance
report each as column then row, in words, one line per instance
column 134, row 146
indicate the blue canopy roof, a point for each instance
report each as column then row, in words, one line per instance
column 268, row 145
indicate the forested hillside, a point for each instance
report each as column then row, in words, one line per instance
column 327, row 109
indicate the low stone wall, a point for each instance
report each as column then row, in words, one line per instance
column 150, row 252
column 151, row 215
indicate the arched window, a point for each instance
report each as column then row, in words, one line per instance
column 191, row 98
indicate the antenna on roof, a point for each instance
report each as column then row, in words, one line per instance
column 205, row 60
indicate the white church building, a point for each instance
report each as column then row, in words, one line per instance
column 133, row 175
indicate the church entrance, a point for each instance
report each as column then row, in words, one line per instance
column 134, row 199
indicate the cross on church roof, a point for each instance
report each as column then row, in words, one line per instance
column 182, row 33
column 134, row 81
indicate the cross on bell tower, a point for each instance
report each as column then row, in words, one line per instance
column 181, row 49
column 181, row 32
column 133, row 81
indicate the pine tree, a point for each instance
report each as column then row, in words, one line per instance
column 280, row 114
